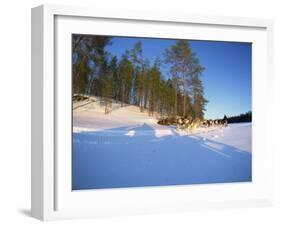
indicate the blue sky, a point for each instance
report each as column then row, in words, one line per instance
column 227, row 77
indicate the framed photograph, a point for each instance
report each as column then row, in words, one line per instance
column 136, row 112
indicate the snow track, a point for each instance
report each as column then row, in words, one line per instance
column 127, row 148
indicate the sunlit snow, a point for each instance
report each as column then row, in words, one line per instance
column 127, row 148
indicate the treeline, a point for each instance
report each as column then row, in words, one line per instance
column 246, row 117
column 132, row 79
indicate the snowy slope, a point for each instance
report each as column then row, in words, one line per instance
column 127, row 148
column 90, row 117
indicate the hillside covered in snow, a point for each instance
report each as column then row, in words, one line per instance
column 127, row 148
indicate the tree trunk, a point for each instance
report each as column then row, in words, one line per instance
column 176, row 96
column 122, row 96
column 184, row 89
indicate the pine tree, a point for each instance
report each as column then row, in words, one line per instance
column 171, row 58
column 116, row 78
column 183, row 62
column 79, row 64
column 89, row 61
column 126, row 70
column 155, row 78
column 132, row 80
column 138, row 76
column 146, row 83
column 184, row 52
column 109, row 86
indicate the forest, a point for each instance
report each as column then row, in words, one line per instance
column 245, row 117
column 134, row 80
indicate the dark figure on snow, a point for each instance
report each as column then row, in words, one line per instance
column 224, row 121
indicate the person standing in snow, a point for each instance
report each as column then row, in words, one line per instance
column 224, row 120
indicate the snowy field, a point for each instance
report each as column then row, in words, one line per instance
column 127, row 148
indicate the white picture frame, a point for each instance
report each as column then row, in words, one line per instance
column 52, row 197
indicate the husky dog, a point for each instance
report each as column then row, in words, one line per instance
column 195, row 123
column 217, row 122
column 168, row 121
column 221, row 122
column 183, row 122
column 190, row 125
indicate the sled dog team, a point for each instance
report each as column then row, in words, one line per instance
column 188, row 123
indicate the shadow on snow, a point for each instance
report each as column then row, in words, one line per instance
column 136, row 157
